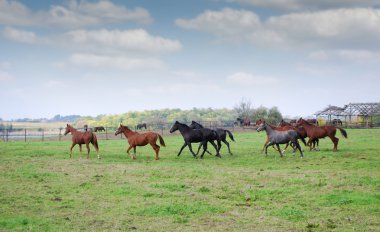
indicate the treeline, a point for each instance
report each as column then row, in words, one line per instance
column 165, row 116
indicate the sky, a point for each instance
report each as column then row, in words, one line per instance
column 109, row 57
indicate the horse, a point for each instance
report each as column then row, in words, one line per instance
column 137, row 139
column 283, row 123
column 280, row 137
column 140, row 126
column 337, row 122
column 315, row 132
column 80, row 138
column 222, row 134
column 300, row 131
column 99, row 128
column 203, row 136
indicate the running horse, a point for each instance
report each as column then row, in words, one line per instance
column 317, row 132
column 280, row 137
column 136, row 139
column 79, row 137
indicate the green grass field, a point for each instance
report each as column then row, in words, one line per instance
column 43, row 190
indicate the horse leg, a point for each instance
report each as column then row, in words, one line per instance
column 265, row 144
column 298, row 146
column 204, row 148
column 309, row 143
column 335, row 140
column 156, row 148
column 129, row 148
column 80, row 150
column 266, row 147
column 180, row 150
column 134, row 151
column 191, row 149
column 228, row 146
column 216, row 148
column 88, row 150
column 71, row 150
column 279, row 149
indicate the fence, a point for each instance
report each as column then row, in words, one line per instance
column 56, row 134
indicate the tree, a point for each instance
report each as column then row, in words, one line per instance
column 274, row 115
column 243, row 108
column 260, row 113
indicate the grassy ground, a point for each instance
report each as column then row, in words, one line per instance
column 43, row 190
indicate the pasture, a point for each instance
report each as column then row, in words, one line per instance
column 43, row 190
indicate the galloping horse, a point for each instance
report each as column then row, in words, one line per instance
column 99, row 128
column 300, row 131
column 280, row 137
column 315, row 132
column 140, row 126
column 222, row 134
column 137, row 139
column 203, row 136
column 80, row 138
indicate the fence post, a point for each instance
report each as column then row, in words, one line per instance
column 25, row 134
column 42, row 135
column 106, row 133
column 60, row 134
column 6, row 135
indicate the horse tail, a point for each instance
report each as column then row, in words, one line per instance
column 230, row 135
column 343, row 132
column 94, row 141
column 162, row 142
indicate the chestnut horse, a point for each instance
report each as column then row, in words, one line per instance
column 137, row 139
column 317, row 132
column 80, row 138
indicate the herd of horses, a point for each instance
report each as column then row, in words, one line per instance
column 284, row 133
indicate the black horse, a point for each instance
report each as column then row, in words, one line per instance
column 222, row 134
column 99, row 128
column 195, row 136
column 140, row 126
column 280, row 137
column 337, row 122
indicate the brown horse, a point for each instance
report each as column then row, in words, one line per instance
column 99, row 128
column 80, row 138
column 315, row 132
column 137, row 139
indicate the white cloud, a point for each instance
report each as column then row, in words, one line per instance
column 113, row 62
column 20, row 35
column 227, row 22
column 356, row 56
column 249, row 80
column 337, row 29
column 99, row 40
column 298, row 5
column 75, row 14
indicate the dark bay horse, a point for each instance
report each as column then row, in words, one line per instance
column 280, row 137
column 337, row 122
column 222, row 134
column 136, row 139
column 99, row 128
column 80, row 138
column 315, row 132
column 202, row 136
column 140, row 126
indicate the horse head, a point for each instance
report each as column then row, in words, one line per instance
column 119, row 130
column 174, row 127
column 68, row 129
column 262, row 126
column 259, row 121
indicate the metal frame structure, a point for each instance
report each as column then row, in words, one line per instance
column 365, row 110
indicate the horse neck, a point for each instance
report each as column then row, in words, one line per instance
column 268, row 129
column 127, row 132
column 72, row 130
column 183, row 128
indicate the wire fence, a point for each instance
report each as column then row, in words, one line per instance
column 57, row 134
